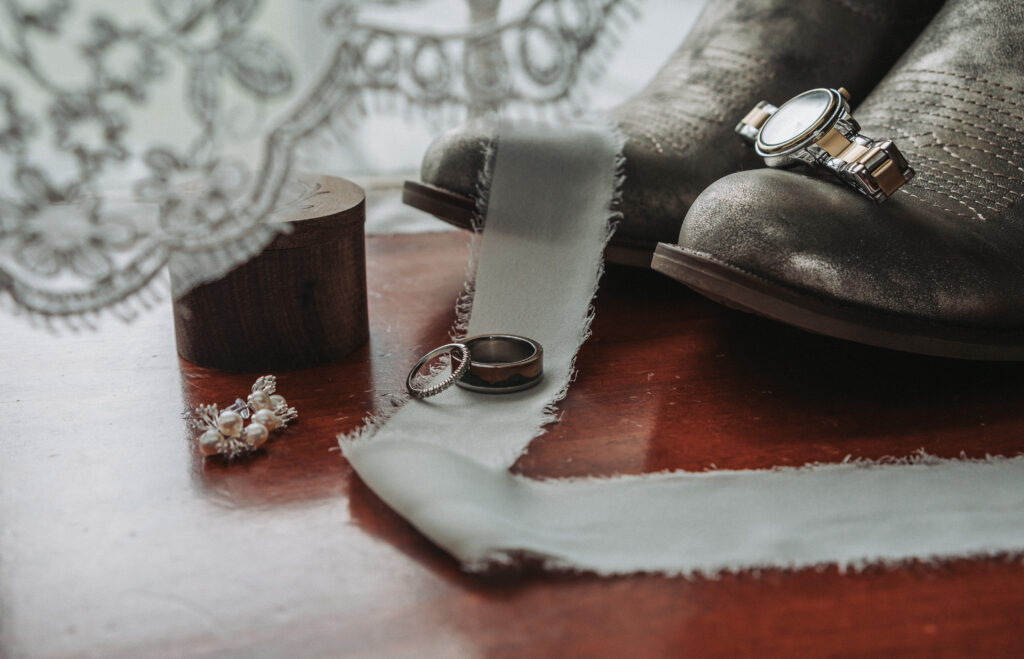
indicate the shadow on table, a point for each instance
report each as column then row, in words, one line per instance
column 801, row 397
column 671, row 380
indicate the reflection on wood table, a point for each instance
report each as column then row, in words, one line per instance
column 118, row 539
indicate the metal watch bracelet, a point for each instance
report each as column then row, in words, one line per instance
column 875, row 168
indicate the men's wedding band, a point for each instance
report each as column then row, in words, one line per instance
column 502, row 363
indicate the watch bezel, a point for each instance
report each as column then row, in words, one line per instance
column 809, row 135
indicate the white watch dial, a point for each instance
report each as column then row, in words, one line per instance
column 799, row 115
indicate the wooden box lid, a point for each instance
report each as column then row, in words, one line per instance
column 300, row 303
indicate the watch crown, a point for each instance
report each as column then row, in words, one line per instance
column 845, row 94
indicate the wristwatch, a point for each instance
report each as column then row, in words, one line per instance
column 816, row 128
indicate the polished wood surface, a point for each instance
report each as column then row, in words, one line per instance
column 118, row 539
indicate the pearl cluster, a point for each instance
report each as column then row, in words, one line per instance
column 226, row 433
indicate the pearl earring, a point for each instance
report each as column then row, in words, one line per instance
column 225, row 430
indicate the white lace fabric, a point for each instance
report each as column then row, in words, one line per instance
column 137, row 135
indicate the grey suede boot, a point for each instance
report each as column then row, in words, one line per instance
column 936, row 269
column 679, row 129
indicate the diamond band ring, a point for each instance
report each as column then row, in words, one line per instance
column 460, row 362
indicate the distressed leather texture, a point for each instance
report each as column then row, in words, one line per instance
column 948, row 247
column 680, row 128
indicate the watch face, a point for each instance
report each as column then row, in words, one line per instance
column 799, row 117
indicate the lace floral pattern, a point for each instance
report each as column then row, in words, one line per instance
column 90, row 214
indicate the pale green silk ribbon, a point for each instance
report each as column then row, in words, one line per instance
column 443, row 463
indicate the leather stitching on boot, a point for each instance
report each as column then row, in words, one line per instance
column 980, row 172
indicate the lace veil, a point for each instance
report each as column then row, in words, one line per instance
column 137, row 135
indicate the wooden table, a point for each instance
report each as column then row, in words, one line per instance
column 117, row 539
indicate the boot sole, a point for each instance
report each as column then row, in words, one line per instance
column 459, row 211
column 747, row 292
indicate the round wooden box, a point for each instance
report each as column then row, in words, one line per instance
column 300, row 303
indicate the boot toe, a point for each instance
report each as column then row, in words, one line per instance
column 455, row 159
column 820, row 239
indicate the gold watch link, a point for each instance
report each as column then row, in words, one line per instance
column 750, row 124
column 875, row 168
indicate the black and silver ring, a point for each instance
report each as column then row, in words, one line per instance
column 502, row 363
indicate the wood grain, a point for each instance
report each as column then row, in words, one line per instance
column 118, row 539
column 300, row 303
